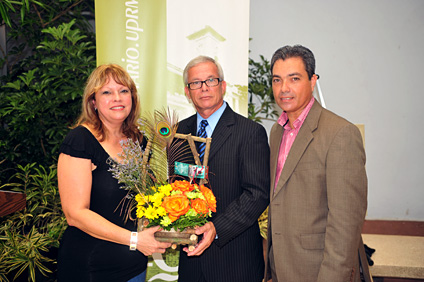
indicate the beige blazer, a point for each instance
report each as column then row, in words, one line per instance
column 318, row 208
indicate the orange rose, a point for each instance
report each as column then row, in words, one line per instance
column 182, row 185
column 200, row 206
column 176, row 206
column 210, row 197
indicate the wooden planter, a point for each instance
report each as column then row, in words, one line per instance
column 176, row 237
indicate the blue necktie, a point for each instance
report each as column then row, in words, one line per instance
column 202, row 133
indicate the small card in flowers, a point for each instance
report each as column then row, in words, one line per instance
column 191, row 171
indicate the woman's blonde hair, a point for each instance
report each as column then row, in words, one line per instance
column 97, row 79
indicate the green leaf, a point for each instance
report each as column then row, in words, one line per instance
column 15, row 85
column 5, row 6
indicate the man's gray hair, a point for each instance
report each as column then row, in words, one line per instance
column 198, row 60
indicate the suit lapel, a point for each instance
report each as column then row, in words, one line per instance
column 275, row 142
column 190, row 126
column 303, row 138
column 222, row 131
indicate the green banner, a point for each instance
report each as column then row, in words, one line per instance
column 133, row 35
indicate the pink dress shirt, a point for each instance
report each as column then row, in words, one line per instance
column 289, row 135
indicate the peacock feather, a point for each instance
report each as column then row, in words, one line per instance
column 160, row 128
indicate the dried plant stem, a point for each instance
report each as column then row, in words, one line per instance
column 144, row 163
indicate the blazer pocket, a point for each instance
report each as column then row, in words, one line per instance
column 312, row 241
column 307, row 165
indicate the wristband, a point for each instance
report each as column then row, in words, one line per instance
column 133, row 241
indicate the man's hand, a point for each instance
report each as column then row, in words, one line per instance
column 209, row 233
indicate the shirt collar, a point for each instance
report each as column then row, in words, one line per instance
column 213, row 118
column 283, row 120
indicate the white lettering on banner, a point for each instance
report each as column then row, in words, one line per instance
column 128, row 3
column 133, row 29
column 133, row 32
column 128, row 11
column 132, row 65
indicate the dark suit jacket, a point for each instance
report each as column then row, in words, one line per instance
column 318, row 208
column 239, row 178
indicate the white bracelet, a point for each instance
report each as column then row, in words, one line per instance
column 133, row 241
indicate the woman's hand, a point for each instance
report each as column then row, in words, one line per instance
column 147, row 244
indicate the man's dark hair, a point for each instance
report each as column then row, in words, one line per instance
column 296, row 51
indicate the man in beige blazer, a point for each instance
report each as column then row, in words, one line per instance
column 319, row 199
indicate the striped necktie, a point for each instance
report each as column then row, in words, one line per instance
column 202, row 133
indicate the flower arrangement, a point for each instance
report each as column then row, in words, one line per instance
column 178, row 205
column 143, row 171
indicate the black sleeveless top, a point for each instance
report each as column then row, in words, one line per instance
column 81, row 256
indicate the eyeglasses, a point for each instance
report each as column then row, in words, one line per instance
column 211, row 82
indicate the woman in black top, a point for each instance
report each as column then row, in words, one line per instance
column 95, row 246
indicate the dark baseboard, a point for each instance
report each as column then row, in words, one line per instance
column 386, row 279
column 393, row 227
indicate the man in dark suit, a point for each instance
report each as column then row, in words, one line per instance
column 318, row 181
column 231, row 247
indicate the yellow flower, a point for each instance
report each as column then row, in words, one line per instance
column 141, row 199
column 161, row 211
column 156, row 199
column 150, row 213
column 140, row 212
column 165, row 189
